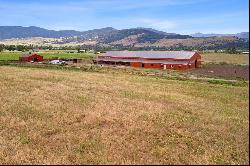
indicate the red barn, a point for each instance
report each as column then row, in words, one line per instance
column 178, row 60
column 33, row 57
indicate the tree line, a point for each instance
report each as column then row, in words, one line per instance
column 97, row 48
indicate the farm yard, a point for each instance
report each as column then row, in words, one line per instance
column 70, row 117
column 242, row 59
column 214, row 65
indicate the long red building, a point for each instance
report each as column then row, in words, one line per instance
column 177, row 60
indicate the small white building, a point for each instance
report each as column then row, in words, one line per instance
column 81, row 51
column 245, row 52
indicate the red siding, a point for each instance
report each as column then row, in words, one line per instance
column 195, row 58
column 31, row 58
column 152, row 65
column 135, row 64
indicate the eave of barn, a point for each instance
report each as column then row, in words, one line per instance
column 150, row 54
column 145, row 61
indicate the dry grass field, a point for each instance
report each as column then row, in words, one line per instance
column 238, row 59
column 74, row 117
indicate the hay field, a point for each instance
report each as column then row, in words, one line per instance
column 73, row 117
column 237, row 59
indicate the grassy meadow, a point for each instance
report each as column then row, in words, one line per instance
column 75, row 117
column 47, row 55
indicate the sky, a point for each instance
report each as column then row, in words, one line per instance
column 173, row 16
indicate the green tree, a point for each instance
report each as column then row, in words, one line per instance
column 10, row 47
column 2, row 47
column 20, row 48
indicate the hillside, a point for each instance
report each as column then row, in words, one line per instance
column 7, row 32
column 121, row 39
column 243, row 35
column 105, row 35
column 200, row 43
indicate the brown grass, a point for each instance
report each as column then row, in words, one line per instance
column 69, row 117
column 238, row 59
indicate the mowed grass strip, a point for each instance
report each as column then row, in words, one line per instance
column 68, row 117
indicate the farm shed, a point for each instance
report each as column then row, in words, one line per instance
column 178, row 60
column 33, row 57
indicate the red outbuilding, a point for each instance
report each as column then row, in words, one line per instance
column 178, row 60
column 33, row 57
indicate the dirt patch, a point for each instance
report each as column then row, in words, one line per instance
column 225, row 71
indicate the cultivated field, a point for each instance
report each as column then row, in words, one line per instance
column 73, row 117
column 224, row 71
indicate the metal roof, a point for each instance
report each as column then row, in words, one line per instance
column 151, row 54
column 142, row 61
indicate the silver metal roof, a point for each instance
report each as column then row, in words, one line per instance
column 143, row 61
column 151, row 54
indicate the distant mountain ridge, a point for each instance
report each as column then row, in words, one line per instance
column 143, row 38
column 244, row 35
column 8, row 32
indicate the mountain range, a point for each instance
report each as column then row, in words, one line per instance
column 244, row 35
column 8, row 32
column 103, row 35
column 126, row 38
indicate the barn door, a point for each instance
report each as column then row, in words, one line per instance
column 35, row 60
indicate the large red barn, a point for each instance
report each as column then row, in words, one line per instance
column 33, row 57
column 178, row 60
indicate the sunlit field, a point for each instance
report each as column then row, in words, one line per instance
column 74, row 117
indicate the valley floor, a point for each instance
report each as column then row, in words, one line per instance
column 76, row 117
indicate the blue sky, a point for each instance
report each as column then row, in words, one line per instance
column 178, row 16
